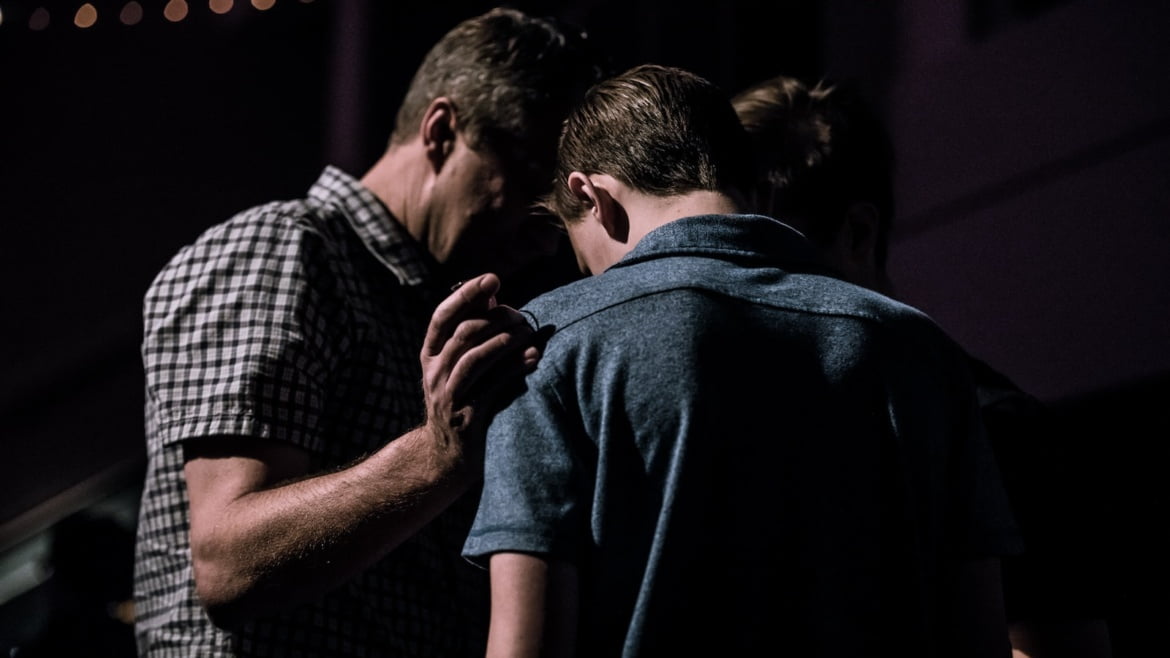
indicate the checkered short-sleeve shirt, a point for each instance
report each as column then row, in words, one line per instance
column 297, row 321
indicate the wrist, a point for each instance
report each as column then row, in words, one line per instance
column 442, row 450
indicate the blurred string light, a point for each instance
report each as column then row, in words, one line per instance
column 39, row 19
column 175, row 11
column 131, row 13
column 86, row 16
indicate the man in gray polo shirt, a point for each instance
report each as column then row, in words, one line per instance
column 723, row 451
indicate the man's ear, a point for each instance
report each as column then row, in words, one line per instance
column 861, row 234
column 438, row 131
column 855, row 249
column 600, row 204
column 582, row 190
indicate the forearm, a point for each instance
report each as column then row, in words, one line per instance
column 534, row 607
column 270, row 547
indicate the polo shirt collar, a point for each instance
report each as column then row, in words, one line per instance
column 383, row 235
column 751, row 237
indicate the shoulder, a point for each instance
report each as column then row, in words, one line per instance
column 798, row 293
column 262, row 232
column 277, row 221
column 894, row 321
column 273, row 248
column 826, row 295
column 562, row 305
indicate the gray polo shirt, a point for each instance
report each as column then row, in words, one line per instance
column 740, row 455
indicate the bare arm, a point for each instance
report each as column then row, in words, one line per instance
column 257, row 544
column 264, row 535
column 534, row 607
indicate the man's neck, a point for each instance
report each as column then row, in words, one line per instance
column 647, row 212
column 395, row 180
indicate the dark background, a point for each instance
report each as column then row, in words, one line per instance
column 1033, row 140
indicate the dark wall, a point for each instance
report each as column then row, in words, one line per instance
column 1034, row 225
column 121, row 143
column 1034, row 210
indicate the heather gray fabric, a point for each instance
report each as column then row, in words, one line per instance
column 740, row 455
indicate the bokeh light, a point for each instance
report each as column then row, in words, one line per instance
column 263, row 4
column 221, row 6
column 131, row 13
column 39, row 19
column 175, row 11
column 86, row 16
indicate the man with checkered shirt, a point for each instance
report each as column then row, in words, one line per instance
column 303, row 497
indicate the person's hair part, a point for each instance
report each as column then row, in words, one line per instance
column 512, row 78
column 660, row 130
column 818, row 150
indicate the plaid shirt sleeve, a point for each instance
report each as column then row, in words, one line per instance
column 237, row 333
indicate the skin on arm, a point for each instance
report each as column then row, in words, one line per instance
column 534, row 607
column 264, row 536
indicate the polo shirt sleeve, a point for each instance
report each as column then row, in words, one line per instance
column 956, row 496
column 536, row 489
column 982, row 520
column 239, row 333
column 987, row 525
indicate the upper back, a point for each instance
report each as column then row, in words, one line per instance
column 786, row 430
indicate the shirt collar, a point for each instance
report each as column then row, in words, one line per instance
column 382, row 234
column 754, row 237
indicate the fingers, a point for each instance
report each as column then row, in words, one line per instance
column 489, row 379
column 493, row 391
column 473, row 298
column 478, row 345
column 475, row 354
